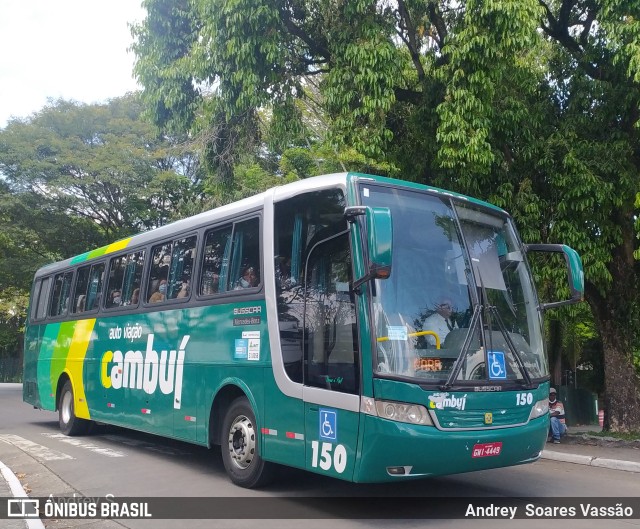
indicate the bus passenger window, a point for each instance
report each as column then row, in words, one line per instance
column 61, row 292
column 41, row 294
column 215, row 261
column 181, row 268
column 245, row 255
column 88, row 288
column 157, row 286
column 80, row 292
column 37, row 289
column 125, row 277
column 171, row 270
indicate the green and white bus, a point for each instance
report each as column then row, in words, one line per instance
column 295, row 327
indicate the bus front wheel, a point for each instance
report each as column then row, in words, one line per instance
column 239, row 445
column 69, row 423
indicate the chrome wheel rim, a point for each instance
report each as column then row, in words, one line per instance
column 65, row 407
column 242, row 442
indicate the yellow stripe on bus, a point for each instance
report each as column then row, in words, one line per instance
column 75, row 365
column 119, row 245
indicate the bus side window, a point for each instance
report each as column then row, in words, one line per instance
column 125, row 277
column 80, row 291
column 157, row 286
column 35, row 296
column 300, row 223
column 181, row 268
column 215, row 261
column 40, row 297
column 61, row 292
column 94, row 288
column 88, row 288
column 171, row 270
column 245, row 255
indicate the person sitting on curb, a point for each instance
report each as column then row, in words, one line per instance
column 557, row 426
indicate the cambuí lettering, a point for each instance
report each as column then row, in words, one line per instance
column 442, row 401
column 146, row 371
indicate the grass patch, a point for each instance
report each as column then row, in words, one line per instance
column 632, row 436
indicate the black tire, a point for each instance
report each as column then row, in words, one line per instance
column 69, row 423
column 239, row 444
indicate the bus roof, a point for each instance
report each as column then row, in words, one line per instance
column 233, row 209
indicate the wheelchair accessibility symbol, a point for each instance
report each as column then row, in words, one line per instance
column 497, row 369
column 328, row 425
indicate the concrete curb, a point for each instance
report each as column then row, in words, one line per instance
column 18, row 492
column 602, row 462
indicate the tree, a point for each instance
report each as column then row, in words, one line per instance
column 531, row 104
column 583, row 175
column 75, row 177
column 97, row 162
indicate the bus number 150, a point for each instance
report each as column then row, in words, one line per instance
column 339, row 459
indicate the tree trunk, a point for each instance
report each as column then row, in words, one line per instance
column 621, row 382
column 622, row 385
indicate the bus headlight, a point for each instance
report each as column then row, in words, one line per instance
column 396, row 411
column 539, row 409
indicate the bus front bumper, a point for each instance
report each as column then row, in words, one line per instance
column 394, row 450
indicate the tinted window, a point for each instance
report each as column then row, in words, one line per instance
column 125, row 278
column 171, row 270
column 331, row 343
column 88, row 289
column 215, row 266
column 38, row 300
column 61, row 292
column 42, row 297
column 231, row 258
column 245, row 255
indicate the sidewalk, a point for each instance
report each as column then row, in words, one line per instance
column 7, row 491
column 579, row 446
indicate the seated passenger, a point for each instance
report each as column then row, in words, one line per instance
column 135, row 297
column 116, row 298
column 248, row 279
column 81, row 303
column 160, row 294
column 185, row 289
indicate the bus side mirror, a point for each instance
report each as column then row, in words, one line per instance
column 575, row 272
column 379, row 241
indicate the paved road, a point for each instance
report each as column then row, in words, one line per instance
column 128, row 464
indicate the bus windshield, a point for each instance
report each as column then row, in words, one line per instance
column 459, row 307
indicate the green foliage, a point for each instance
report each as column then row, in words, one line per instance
column 162, row 47
column 13, row 307
column 100, row 165
column 633, row 436
column 75, row 177
column 297, row 163
column 530, row 104
column 359, row 88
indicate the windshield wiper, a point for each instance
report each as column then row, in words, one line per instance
column 512, row 347
column 475, row 318
column 503, row 330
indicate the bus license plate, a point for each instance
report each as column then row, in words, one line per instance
column 487, row 449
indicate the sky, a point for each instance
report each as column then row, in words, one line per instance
column 70, row 49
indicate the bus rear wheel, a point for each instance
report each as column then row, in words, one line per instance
column 69, row 423
column 239, row 445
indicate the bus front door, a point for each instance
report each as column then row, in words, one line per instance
column 331, row 366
